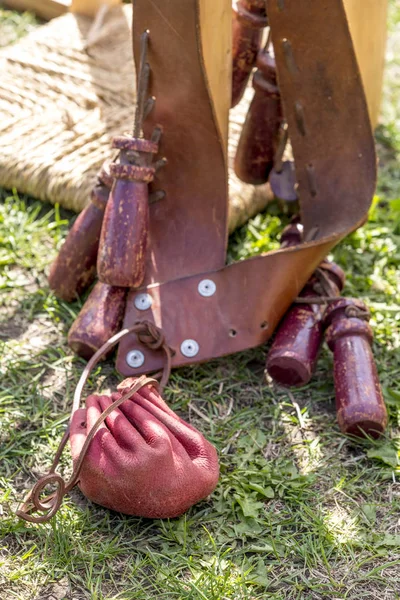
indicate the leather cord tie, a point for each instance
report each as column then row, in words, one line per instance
column 356, row 312
column 328, row 295
column 153, row 337
column 323, row 287
column 149, row 335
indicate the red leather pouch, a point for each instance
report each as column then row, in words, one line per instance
column 131, row 453
column 144, row 460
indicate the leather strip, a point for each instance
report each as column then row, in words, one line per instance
column 250, row 299
column 326, row 110
column 188, row 229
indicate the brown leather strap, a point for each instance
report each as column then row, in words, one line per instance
column 188, row 229
column 325, row 107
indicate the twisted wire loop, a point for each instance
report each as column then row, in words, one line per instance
column 151, row 336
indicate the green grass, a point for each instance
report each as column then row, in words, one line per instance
column 14, row 25
column 300, row 512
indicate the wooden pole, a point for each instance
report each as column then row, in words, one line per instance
column 368, row 26
column 367, row 20
column 45, row 9
column 216, row 42
column 90, row 8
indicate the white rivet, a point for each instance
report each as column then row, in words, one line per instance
column 135, row 359
column 143, row 301
column 190, row 348
column 207, row 288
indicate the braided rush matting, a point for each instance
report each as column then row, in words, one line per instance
column 65, row 91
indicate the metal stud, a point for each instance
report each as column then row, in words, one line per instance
column 207, row 288
column 135, row 359
column 143, row 301
column 190, row 348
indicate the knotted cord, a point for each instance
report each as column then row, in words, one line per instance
column 325, row 289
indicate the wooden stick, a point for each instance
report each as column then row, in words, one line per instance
column 46, row 9
column 368, row 26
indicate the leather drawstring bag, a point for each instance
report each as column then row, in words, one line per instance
column 144, row 460
column 131, row 453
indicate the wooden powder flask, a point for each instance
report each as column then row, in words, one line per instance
column 294, row 352
column 249, row 21
column 75, row 266
column 123, row 242
column 257, row 145
column 100, row 318
column 359, row 402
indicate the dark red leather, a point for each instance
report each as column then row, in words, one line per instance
column 144, row 460
column 188, row 229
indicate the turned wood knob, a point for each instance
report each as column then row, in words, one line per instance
column 293, row 356
column 294, row 352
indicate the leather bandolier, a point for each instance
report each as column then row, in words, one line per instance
column 164, row 237
column 325, row 108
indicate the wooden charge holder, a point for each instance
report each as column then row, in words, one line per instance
column 207, row 309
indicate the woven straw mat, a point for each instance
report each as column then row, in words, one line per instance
column 62, row 99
